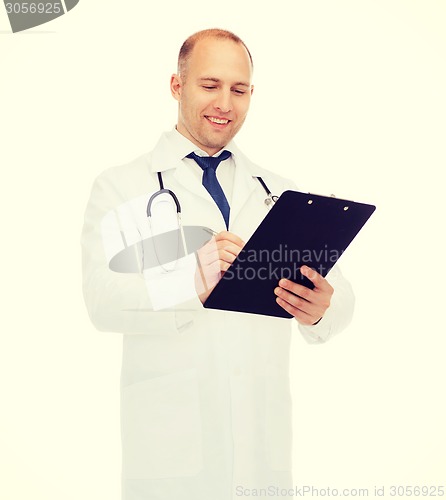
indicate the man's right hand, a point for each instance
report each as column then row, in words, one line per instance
column 214, row 259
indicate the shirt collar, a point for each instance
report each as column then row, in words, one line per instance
column 173, row 147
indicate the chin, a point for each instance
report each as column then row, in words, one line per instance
column 216, row 143
column 220, row 140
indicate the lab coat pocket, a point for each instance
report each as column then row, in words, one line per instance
column 161, row 427
column 279, row 438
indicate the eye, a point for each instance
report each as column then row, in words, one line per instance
column 239, row 92
column 209, row 87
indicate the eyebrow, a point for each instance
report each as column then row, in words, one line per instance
column 217, row 80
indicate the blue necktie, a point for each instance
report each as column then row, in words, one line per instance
column 209, row 165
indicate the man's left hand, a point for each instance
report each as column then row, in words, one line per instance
column 307, row 306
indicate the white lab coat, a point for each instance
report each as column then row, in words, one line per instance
column 206, row 404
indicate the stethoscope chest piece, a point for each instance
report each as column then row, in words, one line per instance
column 270, row 200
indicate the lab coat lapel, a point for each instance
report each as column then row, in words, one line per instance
column 168, row 155
column 201, row 199
column 244, row 185
column 186, row 178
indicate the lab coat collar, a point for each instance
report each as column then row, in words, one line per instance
column 173, row 147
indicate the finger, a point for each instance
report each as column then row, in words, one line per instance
column 319, row 298
column 224, row 266
column 317, row 279
column 301, row 316
column 217, row 265
column 296, row 302
column 220, row 245
column 225, row 238
column 300, row 290
column 231, row 237
column 221, row 259
column 225, row 247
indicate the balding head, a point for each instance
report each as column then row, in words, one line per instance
column 189, row 44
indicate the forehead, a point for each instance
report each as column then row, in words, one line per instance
column 220, row 58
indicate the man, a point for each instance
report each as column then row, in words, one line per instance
column 206, row 407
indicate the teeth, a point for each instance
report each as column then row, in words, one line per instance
column 218, row 120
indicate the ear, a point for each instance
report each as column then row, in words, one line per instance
column 176, row 86
column 252, row 89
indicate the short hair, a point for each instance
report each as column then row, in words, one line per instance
column 189, row 44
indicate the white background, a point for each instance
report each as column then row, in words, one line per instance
column 349, row 99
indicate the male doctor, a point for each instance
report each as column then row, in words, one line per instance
column 206, row 407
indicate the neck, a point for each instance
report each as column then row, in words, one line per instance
column 207, row 149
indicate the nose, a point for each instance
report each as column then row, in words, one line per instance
column 223, row 101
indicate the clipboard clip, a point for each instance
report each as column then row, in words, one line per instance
column 324, row 195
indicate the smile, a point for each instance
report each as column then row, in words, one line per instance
column 218, row 121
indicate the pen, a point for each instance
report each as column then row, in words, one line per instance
column 210, row 231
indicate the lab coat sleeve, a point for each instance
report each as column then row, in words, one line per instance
column 338, row 315
column 119, row 302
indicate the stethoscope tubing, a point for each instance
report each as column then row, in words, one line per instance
column 271, row 199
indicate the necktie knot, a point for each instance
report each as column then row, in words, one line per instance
column 212, row 162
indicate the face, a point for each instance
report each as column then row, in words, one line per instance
column 215, row 94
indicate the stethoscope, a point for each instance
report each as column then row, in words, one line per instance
column 269, row 200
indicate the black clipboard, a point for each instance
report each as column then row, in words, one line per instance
column 301, row 228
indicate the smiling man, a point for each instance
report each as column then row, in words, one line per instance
column 213, row 89
column 206, row 406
